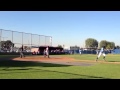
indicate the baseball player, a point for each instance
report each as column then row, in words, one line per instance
column 47, row 51
column 102, row 51
column 80, row 51
column 97, row 51
column 44, row 52
column 21, row 52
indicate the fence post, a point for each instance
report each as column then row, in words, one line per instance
column 12, row 41
column 31, row 40
column 39, row 40
column 0, row 38
column 22, row 38
column 45, row 40
column 51, row 40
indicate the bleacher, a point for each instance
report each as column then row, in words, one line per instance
column 115, row 51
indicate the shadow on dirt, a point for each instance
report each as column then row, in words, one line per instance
column 13, row 63
column 7, row 61
column 113, row 61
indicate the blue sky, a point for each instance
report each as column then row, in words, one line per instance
column 66, row 27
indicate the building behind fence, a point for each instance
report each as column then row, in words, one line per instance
column 26, row 39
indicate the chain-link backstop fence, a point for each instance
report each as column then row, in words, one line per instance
column 12, row 40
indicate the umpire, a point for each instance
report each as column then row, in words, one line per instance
column 21, row 52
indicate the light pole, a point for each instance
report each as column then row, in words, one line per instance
column 51, row 40
column 39, row 41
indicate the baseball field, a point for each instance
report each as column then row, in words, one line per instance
column 59, row 67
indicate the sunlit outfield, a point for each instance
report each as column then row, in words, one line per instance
column 36, row 70
column 92, row 57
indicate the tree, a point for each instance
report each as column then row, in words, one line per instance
column 7, row 44
column 90, row 42
column 25, row 47
column 112, row 45
column 60, row 46
column 118, row 47
column 107, row 44
column 103, row 43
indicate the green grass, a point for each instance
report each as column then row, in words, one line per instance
column 38, row 70
column 109, row 57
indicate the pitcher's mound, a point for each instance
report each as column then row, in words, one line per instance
column 40, row 58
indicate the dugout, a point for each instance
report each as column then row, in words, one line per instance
column 74, row 49
column 52, row 50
